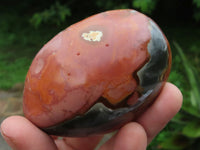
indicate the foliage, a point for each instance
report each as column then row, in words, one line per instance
column 197, row 14
column 192, row 77
column 59, row 11
column 13, row 72
column 56, row 14
column 196, row 10
column 186, row 129
column 146, row 6
column 108, row 5
column 197, row 2
column 19, row 43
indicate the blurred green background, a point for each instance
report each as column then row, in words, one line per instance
column 26, row 25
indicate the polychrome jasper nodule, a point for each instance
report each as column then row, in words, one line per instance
column 97, row 75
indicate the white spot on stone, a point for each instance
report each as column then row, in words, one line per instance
column 94, row 36
column 133, row 11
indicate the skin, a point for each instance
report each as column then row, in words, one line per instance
column 21, row 134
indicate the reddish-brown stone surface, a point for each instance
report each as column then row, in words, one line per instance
column 94, row 58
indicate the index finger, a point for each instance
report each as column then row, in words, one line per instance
column 161, row 111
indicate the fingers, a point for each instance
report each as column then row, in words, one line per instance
column 87, row 143
column 164, row 108
column 131, row 136
column 21, row 134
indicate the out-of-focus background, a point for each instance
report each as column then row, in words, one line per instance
column 26, row 25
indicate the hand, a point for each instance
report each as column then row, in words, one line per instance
column 21, row 134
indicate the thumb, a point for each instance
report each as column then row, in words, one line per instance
column 21, row 134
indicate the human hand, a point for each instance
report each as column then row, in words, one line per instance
column 21, row 134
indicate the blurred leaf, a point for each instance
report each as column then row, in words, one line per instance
column 175, row 142
column 190, row 109
column 36, row 20
column 193, row 82
column 196, row 10
column 197, row 16
column 176, row 78
column 146, row 6
column 108, row 5
column 192, row 129
column 56, row 14
column 197, row 2
column 181, row 118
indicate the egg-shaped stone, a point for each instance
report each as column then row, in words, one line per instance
column 97, row 75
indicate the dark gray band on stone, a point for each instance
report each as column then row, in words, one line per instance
column 99, row 118
column 151, row 74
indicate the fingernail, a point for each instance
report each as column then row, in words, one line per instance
column 5, row 136
column 1, row 130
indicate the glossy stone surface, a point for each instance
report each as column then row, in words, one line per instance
column 97, row 74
